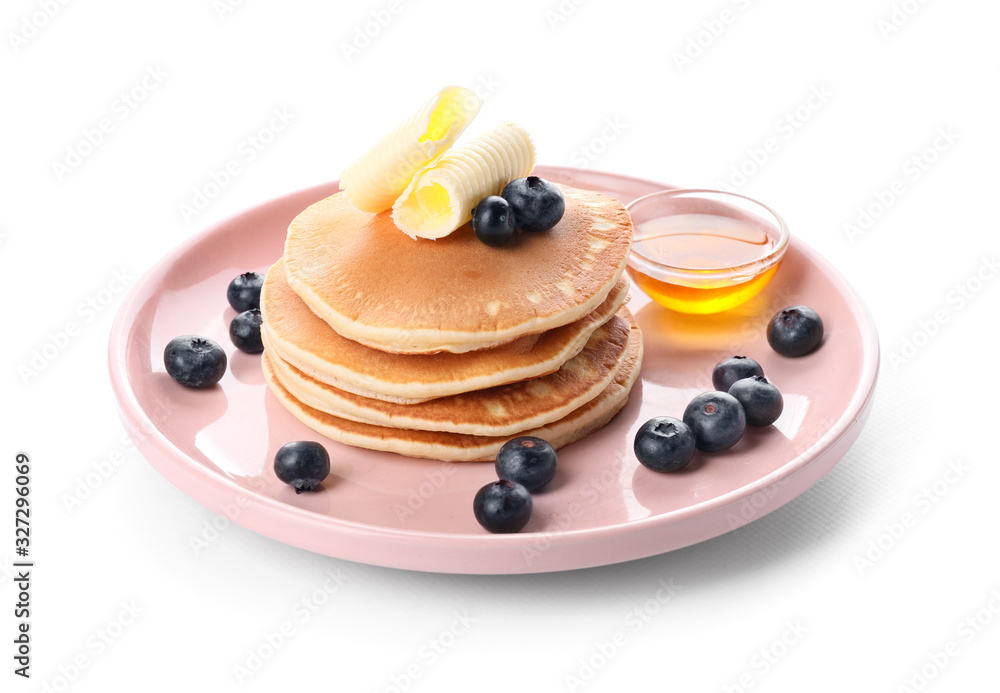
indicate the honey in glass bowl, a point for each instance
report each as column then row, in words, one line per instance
column 704, row 251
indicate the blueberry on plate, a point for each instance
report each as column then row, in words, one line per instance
column 493, row 221
column 194, row 361
column 244, row 291
column 795, row 331
column 728, row 371
column 502, row 507
column 762, row 402
column 664, row 444
column 717, row 420
column 302, row 464
column 527, row 460
column 538, row 204
column 244, row 331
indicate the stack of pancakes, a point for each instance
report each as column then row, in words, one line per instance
column 447, row 349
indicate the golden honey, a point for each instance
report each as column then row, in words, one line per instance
column 702, row 263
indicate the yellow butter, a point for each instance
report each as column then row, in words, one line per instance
column 440, row 198
column 379, row 177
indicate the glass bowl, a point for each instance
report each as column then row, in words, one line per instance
column 704, row 251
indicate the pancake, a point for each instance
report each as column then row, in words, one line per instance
column 375, row 285
column 498, row 411
column 457, row 446
column 308, row 343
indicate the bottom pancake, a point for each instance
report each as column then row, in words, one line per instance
column 460, row 447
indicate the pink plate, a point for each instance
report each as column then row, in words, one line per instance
column 379, row 508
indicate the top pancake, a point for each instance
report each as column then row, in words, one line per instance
column 375, row 285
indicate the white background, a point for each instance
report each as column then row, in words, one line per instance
column 564, row 71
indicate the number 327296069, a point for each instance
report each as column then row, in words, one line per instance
column 22, row 505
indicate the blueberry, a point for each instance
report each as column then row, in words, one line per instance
column 493, row 221
column 527, row 460
column 795, row 331
column 762, row 402
column 728, row 371
column 302, row 464
column 194, row 361
column 244, row 330
column 717, row 420
column 664, row 444
column 503, row 507
column 538, row 204
column 244, row 291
